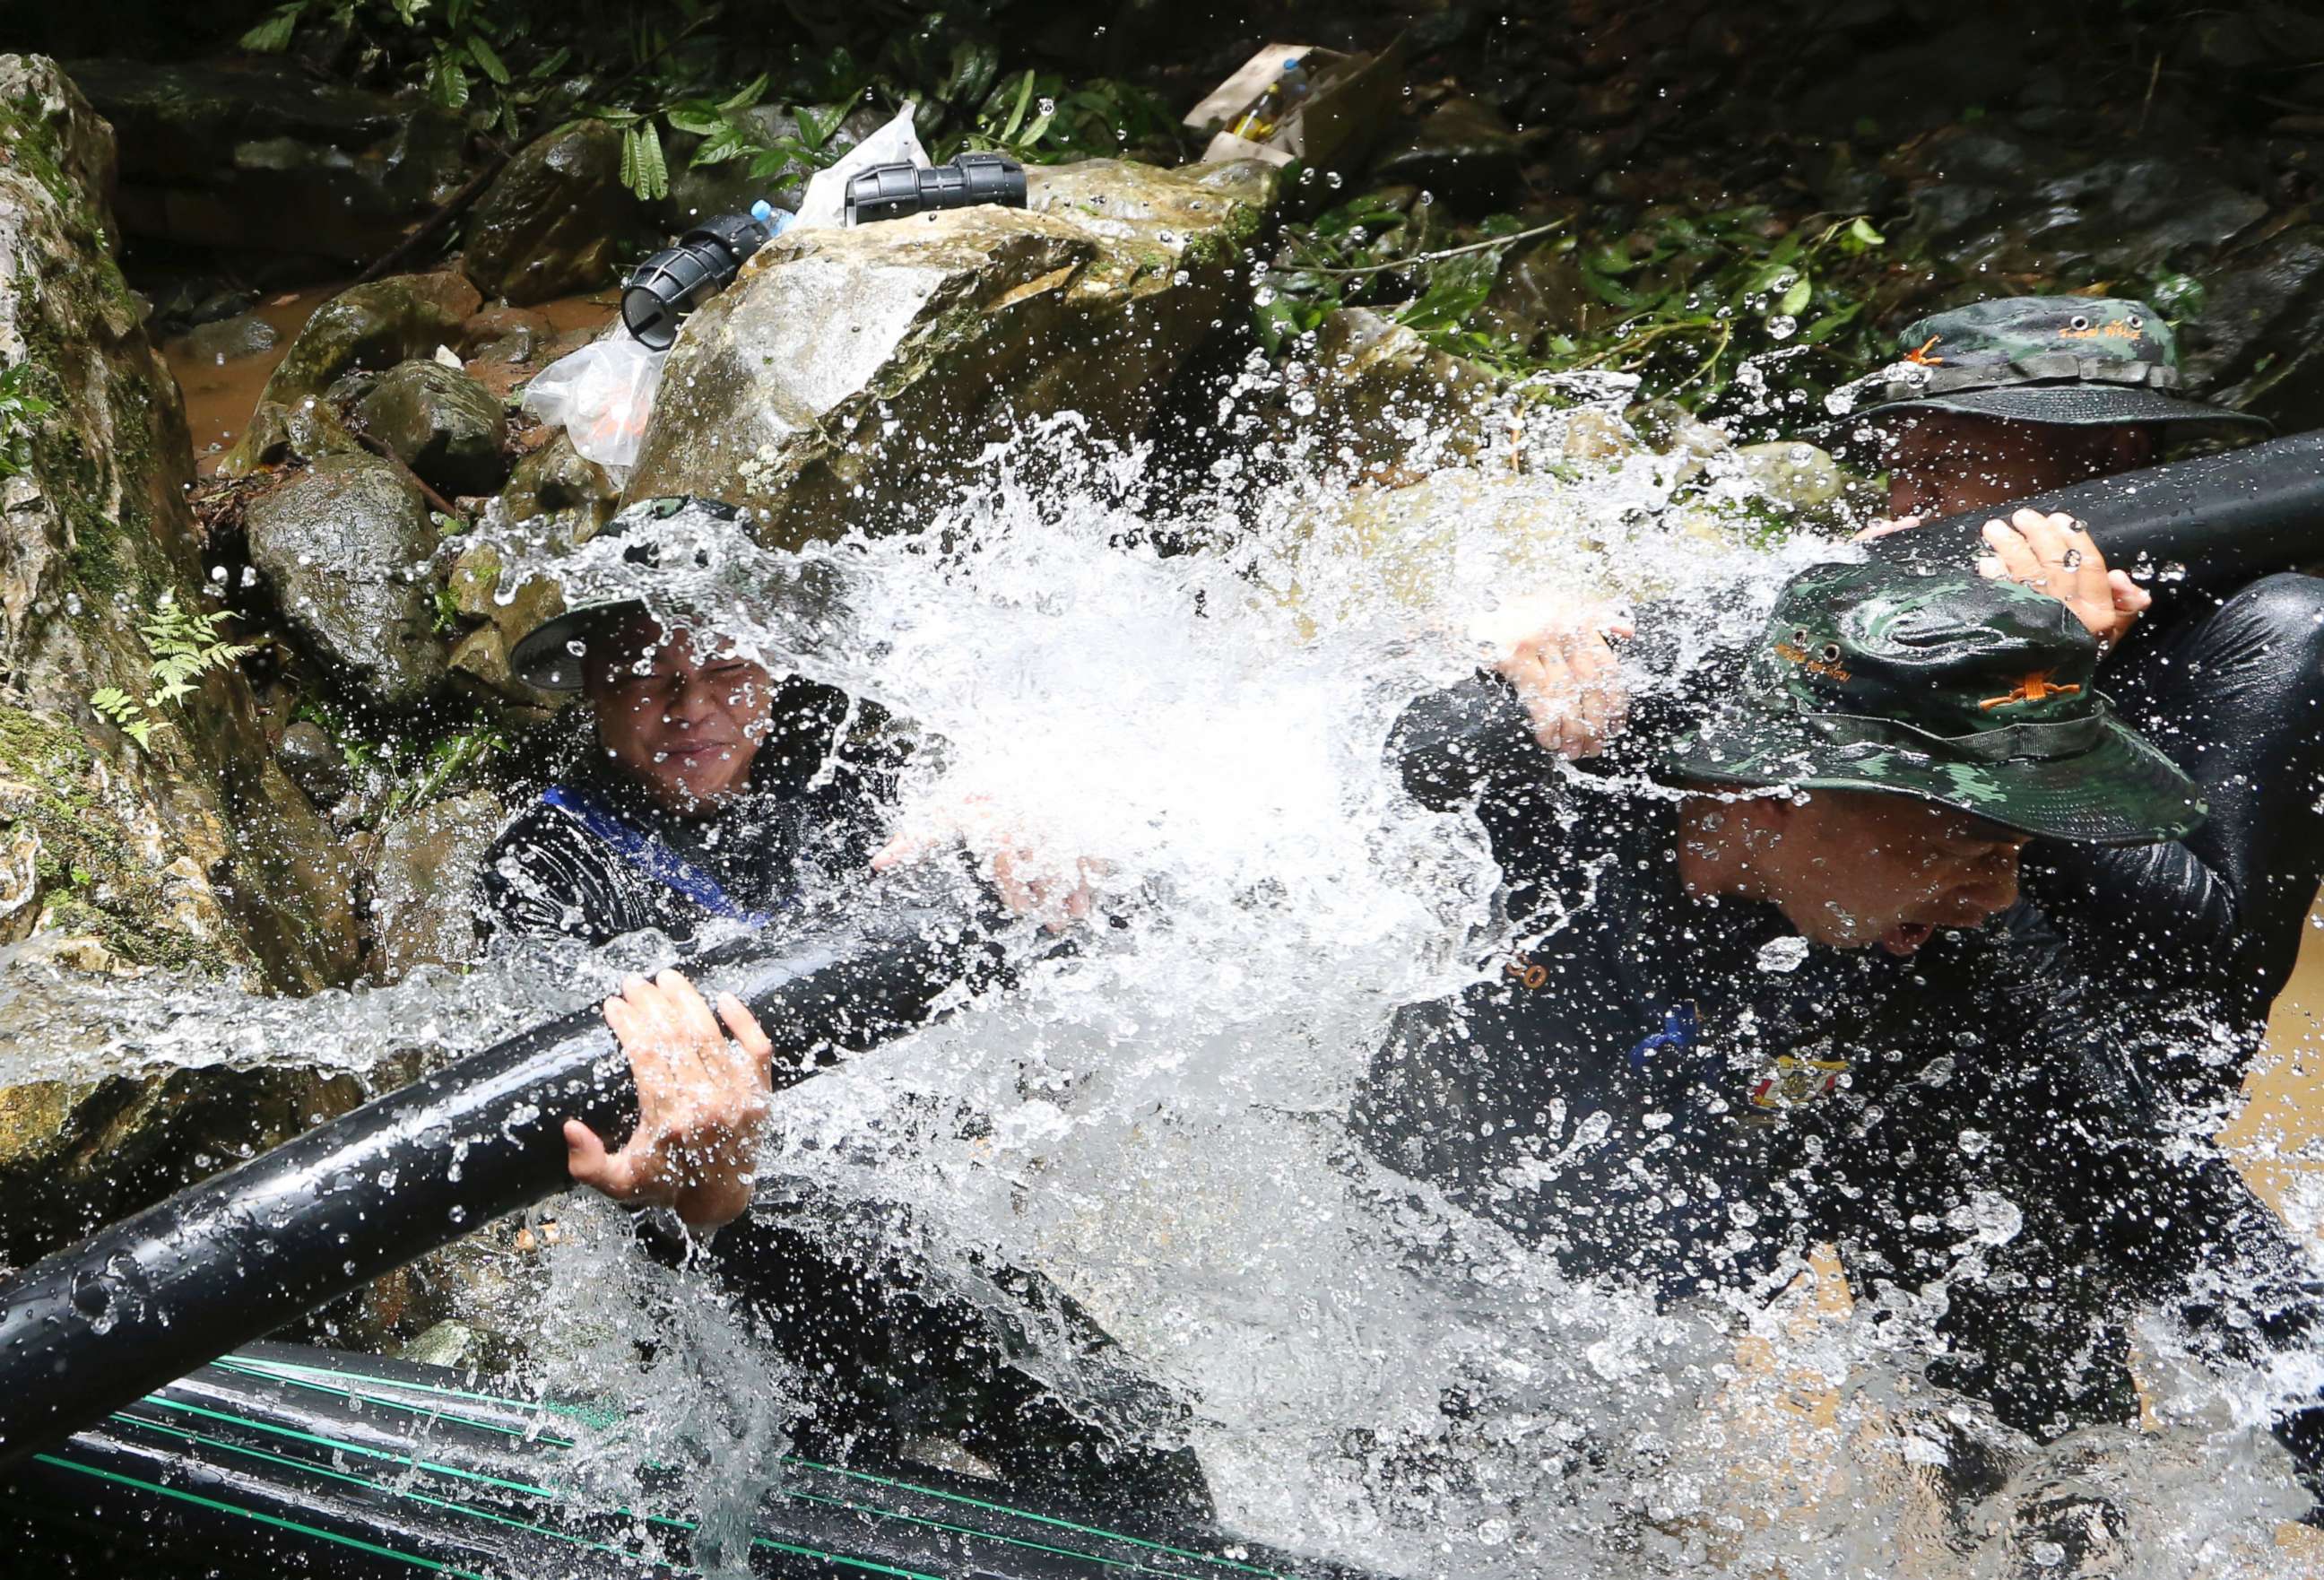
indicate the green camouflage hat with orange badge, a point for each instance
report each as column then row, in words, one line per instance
column 2075, row 361
column 1946, row 687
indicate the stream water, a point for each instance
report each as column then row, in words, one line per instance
column 1156, row 1122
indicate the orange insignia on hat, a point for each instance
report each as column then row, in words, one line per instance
column 1923, row 357
column 2036, row 687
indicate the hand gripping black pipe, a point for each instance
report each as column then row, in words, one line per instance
column 92, row 1328
column 2227, row 518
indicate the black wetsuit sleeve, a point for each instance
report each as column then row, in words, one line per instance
column 547, row 876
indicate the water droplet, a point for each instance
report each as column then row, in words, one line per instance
column 1785, row 954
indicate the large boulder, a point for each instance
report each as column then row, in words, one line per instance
column 259, row 157
column 190, row 848
column 346, row 547
column 556, row 219
column 850, row 373
column 442, row 424
column 372, row 326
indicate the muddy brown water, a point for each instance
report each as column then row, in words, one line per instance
column 221, row 392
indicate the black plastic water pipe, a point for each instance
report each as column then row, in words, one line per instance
column 96, row 1325
column 2226, row 519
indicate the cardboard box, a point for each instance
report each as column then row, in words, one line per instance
column 1355, row 98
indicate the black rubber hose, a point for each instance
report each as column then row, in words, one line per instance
column 2226, row 519
column 98, row 1324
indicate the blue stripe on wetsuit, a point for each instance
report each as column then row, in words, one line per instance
column 653, row 857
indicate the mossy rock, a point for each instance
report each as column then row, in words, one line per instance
column 190, row 850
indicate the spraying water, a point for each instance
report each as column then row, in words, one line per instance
column 1155, row 1119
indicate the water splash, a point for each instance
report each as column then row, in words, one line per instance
column 1194, row 692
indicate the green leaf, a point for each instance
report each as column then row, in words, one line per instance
column 272, row 36
column 745, row 98
column 448, row 84
column 643, row 169
column 727, row 142
column 1457, row 287
column 692, row 118
column 1017, row 115
column 1794, row 300
column 2176, row 296
column 814, row 133
column 1860, row 229
column 486, row 60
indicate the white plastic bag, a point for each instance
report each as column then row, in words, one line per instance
column 826, row 202
column 603, row 395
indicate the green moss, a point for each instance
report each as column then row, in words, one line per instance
column 1222, row 246
column 95, row 879
column 31, row 150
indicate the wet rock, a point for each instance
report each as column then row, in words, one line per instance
column 1793, row 477
column 315, row 765
column 1384, row 397
column 2256, row 340
column 442, row 424
column 850, row 372
column 424, row 889
column 366, row 327
column 257, row 156
column 1462, row 149
column 560, row 492
column 307, row 431
column 513, row 612
column 346, row 548
column 225, row 340
column 193, row 850
column 80, row 1152
column 483, row 657
column 555, row 220
column 2003, row 202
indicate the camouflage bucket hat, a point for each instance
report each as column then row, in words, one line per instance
column 2075, row 361
column 1974, row 693
column 550, row 656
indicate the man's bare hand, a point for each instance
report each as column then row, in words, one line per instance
column 702, row 1102
column 1561, row 662
column 1031, row 878
column 2053, row 554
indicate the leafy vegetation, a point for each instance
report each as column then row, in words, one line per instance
column 20, row 410
column 184, row 646
column 1685, row 300
column 690, row 83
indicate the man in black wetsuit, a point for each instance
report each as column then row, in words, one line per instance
column 1772, row 984
column 709, row 792
column 2005, row 400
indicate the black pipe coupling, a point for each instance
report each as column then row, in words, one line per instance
column 892, row 191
